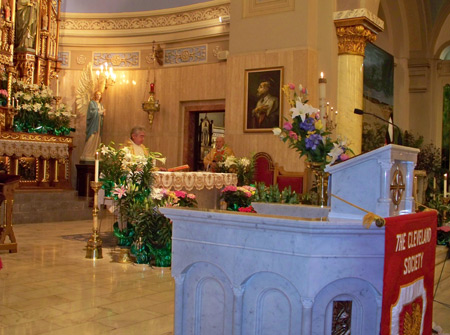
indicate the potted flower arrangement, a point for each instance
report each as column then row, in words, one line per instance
column 237, row 196
column 128, row 179
column 305, row 132
column 37, row 111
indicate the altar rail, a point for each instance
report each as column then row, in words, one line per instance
column 40, row 160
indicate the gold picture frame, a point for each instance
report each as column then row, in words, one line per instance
column 263, row 99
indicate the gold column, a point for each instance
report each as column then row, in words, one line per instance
column 44, row 176
column 354, row 28
column 56, row 170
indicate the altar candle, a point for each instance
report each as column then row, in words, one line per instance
column 97, row 166
column 57, row 86
column 445, row 185
column 152, row 87
column 322, row 95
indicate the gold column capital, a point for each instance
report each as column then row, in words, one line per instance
column 354, row 29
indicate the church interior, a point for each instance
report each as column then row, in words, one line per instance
column 169, row 68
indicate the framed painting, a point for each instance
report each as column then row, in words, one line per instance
column 263, row 103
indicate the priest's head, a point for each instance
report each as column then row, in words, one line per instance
column 220, row 141
column 137, row 135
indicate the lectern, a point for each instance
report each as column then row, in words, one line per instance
column 380, row 181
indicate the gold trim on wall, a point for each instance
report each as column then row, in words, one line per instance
column 144, row 20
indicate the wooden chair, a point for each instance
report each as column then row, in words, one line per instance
column 8, row 183
column 296, row 180
column 264, row 168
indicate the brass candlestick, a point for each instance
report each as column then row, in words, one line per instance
column 94, row 245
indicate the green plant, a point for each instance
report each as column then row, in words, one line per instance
column 153, row 228
column 289, row 197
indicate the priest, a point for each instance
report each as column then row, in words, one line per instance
column 136, row 141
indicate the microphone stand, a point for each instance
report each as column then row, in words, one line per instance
column 361, row 112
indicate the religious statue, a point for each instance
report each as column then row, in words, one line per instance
column 88, row 101
column 94, row 123
column 26, row 24
column 6, row 9
column 44, row 18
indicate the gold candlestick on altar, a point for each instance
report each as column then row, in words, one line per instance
column 94, row 245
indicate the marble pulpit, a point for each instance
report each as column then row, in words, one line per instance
column 291, row 269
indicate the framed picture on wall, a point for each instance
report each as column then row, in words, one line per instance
column 263, row 106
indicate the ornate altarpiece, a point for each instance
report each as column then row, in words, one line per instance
column 29, row 36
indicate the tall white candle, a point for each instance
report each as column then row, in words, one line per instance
column 322, row 95
column 445, row 185
column 97, row 166
column 57, row 86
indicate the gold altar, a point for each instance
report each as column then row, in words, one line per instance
column 41, row 160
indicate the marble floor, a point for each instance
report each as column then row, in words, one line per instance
column 49, row 287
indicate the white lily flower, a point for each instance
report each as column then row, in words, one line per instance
column 276, row 131
column 245, row 161
column 335, row 152
column 230, row 161
column 105, row 150
column 301, row 110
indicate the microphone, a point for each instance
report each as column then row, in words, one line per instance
column 361, row 112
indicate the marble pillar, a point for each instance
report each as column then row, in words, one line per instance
column 354, row 28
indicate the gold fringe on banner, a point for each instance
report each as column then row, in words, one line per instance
column 368, row 218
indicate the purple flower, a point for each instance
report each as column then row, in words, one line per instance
column 308, row 125
column 313, row 141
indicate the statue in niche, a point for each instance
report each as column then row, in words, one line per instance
column 6, row 11
column 26, row 24
column 44, row 19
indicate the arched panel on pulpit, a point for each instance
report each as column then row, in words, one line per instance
column 270, row 302
column 209, row 289
column 362, row 298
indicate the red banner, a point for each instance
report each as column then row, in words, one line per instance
column 408, row 280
